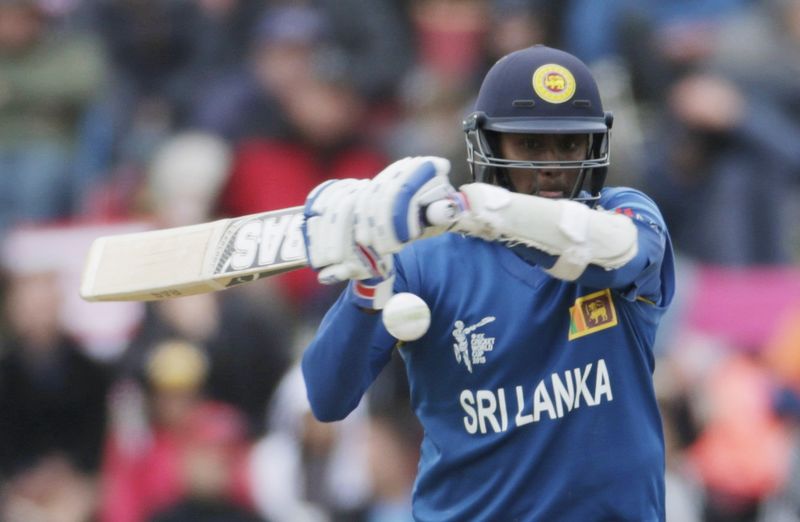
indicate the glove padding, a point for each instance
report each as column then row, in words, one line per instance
column 328, row 232
column 389, row 211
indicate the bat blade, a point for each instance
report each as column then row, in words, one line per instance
column 194, row 259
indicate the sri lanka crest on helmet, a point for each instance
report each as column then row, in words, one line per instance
column 553, row 83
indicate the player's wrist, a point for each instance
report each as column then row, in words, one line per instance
column 370, row 294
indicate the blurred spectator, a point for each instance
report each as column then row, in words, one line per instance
column 47, row 80
column 517, row 24
column 244, row 102
column 52, row 409
column 308, row 470
column 324, row 137
column 725, row 165
column 246, row 338
column 642, row 48
column 372, row 44
column 739, row 418
column 161, row 53
column 366, row 42
column 450, row 38
column 593, row 30
column 656, row 40
column 149, row 43
column 179, row 184
column 153, row 437
column 185, row 177
column 220, row 33
column 208, row 463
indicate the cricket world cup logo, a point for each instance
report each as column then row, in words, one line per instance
column 470, row 347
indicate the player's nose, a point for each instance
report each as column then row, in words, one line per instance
column 552, row 154
column 548, row 153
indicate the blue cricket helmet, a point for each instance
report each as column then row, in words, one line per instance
column 539, row 90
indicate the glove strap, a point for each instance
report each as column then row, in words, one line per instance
column 370, row 294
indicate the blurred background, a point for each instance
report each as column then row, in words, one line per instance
column 123, row 115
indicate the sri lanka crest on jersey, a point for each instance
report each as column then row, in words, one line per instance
column 592, row 313
column 470, row 346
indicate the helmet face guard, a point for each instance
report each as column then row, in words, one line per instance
column 539, row 91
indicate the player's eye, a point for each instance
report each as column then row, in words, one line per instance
column 568, row 143
column 532, row 143
column 572, row 143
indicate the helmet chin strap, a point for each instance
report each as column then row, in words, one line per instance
column 578, row 186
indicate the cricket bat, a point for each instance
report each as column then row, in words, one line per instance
column 194, row 259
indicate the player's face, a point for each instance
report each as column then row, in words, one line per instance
column 551, row 182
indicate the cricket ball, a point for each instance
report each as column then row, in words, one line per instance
column 406, row 316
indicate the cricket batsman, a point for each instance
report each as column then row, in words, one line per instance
column 533, row 382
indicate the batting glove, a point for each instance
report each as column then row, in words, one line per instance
column 390, row 209
column 329, row 234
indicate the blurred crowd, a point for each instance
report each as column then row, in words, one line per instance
column 122, row 115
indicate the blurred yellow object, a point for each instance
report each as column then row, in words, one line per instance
column 782, row 351
column 177, row 365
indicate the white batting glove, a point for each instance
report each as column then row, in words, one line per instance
column 389, row 211
column 329, row 235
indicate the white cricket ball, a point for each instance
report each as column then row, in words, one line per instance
column 406, row 317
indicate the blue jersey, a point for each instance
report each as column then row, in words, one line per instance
column 535, row 394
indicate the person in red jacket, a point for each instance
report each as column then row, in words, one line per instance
column 145, row 458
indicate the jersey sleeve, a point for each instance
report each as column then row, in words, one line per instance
column 650, row 274
column 349, row 350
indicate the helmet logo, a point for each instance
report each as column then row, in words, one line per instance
column 553, row 83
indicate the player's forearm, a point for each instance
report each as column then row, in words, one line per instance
column 594, row 276
column 650, row 251
column 350, row 349
column 574, row 234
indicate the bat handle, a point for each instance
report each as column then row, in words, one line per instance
column 444, row 212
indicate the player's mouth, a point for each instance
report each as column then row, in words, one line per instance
column 553, row 194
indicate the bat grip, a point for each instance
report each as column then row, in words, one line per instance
column 443, row 212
